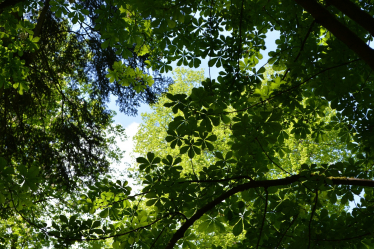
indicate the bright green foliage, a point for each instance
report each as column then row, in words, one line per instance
column 151, row 137
column 263, row 156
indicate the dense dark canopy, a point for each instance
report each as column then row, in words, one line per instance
column 54, row 87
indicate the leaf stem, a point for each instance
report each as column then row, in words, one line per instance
column 263, row 219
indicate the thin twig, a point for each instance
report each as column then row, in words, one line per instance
column 280, row 241
column 311, row 217
column 154, row 242
column 193, row 170
column 263, row 219
column 270, row 158
column 240, row 36
column 350, row 238
column 302, row 47
column 27, row 220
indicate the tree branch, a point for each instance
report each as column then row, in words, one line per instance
column 154, row 242
column 301, row 48
column 355, row 13
column 344, row 239
column 221, row 180
column 255, row 184
column 263, row 219
column 344, row 34
column 39, row 24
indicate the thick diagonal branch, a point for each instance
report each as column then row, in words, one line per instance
column 355, row 13
column 255, row 184
column 344, row 34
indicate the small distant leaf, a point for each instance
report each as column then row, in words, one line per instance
column 219, row 155
column 171, row 24
column 97, row 223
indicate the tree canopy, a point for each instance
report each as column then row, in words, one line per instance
column 263, row 156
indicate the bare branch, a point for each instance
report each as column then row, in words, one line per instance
column 221, row 180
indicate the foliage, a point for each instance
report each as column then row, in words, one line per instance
column 56, row 132
column 299, row 138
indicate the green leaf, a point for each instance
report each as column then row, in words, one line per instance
column 150, row 156
column 97, row 223
column 184, row 149
column 203, row 226
column 238, row 228
column 75, row 19
column 225, row 119
column 35, row 39
column 191, row 153
column 151, row 202
column 104, row 213
column 141, row 160
column 171, row 24
column 64, row 219
column 105, row 44
column 212, row 138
